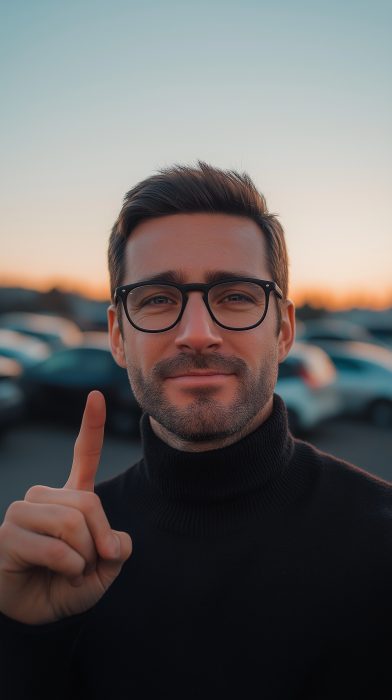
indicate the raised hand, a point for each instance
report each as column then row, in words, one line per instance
column 58, row 553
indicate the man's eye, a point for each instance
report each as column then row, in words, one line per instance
column 158, row 301
column 237, row 298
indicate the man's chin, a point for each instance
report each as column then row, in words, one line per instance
column 201, row 424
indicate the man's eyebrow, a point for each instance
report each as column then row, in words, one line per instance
column 178, row 277
column 165, row 276
column 216, row 275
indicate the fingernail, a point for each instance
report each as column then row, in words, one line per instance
column 116, row 547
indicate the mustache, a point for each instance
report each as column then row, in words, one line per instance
column 185, row 362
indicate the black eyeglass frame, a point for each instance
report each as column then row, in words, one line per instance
column 122, row 293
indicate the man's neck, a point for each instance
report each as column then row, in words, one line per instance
column 217, row 444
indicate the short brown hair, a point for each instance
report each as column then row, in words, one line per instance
column 182, row 189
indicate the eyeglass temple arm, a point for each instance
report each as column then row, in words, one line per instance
column 278, row 291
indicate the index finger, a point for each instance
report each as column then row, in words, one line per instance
column 88, row 445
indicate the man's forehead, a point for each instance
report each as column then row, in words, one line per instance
column 204, row 247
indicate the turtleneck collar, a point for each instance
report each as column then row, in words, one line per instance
column 226, row 473
column 220, row 491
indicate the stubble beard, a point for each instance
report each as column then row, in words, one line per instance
column 205, row 418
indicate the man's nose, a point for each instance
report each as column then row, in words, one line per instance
column 197, row 332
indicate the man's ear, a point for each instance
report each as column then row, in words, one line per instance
column 115, row 337
column 287, row 330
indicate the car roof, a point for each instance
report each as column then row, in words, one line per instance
column 21, row 321
column 306, row 351
column 96, row 339
column 360, row 351
column 23, row 342
column 336, row 326
column 91, row 340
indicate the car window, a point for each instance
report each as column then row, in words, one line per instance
column 382, row 334
column 89, row 360
column 58, row 363
column 324, row 336
column 346, row 364
column 288, row 369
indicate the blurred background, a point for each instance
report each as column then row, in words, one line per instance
column 99, row 95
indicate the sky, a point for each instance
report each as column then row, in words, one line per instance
column 97, row 95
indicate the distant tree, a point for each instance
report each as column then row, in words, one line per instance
column 307, row 312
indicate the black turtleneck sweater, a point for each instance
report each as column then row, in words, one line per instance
column 261, row 571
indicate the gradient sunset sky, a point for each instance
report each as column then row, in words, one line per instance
column 98, row 95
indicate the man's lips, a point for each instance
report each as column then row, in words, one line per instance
column 199, row 373
column 201, row 377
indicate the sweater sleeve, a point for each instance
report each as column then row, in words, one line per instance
column 35, row 661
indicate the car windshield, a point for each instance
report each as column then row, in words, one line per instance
column 345, row 364
column 91, row 360
column 365, row 352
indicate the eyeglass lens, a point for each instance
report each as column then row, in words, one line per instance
column 234, row 304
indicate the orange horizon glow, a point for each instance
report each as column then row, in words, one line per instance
column 98, row 292
column 323, row 298
column 320, row 297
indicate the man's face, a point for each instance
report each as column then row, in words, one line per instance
column 199, row 381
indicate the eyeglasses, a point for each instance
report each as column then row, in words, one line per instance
column 237, row 304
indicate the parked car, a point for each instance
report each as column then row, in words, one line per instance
column 26, row 350
column 58, row 386
column 306, row 383
column 378, row 323
column 364, row 379
column 11, row 396
column 57, row 331
column 317, row 331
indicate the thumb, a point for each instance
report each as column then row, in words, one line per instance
column 88, row 445
column 107, row 570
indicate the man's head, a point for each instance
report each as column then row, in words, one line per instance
column 200, row 383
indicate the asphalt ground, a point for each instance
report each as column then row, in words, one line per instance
column 39, row 453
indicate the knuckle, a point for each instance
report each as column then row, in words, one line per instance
column 35, row 493
column 14, row 510
column 90, row 501
column 8, row 537
column 92, row 451
column 73, row 519
column 57, row 550
column 5, row 531
column 81, row 449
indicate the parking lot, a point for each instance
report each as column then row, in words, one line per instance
column 41, row 453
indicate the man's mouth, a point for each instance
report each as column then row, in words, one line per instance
column 185, row 370
column 200, row 377
column 199, row 373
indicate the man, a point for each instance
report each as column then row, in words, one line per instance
column 261, row 568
